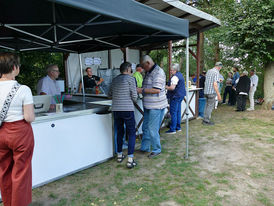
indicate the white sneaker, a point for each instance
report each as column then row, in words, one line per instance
column 250, row 109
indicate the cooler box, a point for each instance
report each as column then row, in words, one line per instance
column 202, row 102
column 41, row 103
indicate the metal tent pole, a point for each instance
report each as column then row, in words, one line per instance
column 187, row 94
column 82, row 79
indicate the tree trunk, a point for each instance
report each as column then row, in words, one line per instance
column 269, row 86
column 217, row 52
column 202, row 52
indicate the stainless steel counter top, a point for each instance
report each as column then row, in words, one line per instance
column 72, row 108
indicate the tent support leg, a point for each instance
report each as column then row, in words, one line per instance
column 82, row 79
column 187, row 95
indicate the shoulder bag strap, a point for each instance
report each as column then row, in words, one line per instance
column 8, row 100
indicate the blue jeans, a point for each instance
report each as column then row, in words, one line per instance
column 151, row 126
column 121, row 118
column 175, row 112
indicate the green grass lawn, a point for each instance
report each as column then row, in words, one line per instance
column 230, row 163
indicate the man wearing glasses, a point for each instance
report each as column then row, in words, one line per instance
column 48, row 85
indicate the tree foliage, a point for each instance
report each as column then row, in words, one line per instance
column 33, row 66
column 249, row 31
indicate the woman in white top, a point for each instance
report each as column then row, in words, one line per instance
column 16, row 136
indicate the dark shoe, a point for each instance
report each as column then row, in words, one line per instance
column 153, row 154
column 141, row 151
column 120, row 159
column 131, row 164
column 170, row 132
column 238, row 110
column 207, row 123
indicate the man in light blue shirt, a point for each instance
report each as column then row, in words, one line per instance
column 48, row 85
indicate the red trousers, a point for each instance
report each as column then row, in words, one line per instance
column 16, row 149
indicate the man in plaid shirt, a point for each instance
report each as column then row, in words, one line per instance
column 210, row 91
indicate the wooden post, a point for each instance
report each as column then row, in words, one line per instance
column 169, row 58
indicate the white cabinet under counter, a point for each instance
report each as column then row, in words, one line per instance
column 68, row 142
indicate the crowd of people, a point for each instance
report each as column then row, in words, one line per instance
column 156, row 93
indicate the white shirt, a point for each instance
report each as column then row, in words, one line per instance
column 254, row 80
column 48, row 86
column 22, row 97
column 174, row 80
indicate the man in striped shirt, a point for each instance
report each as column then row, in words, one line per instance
column 155, row 102
column 211, row 90
column 123, row 92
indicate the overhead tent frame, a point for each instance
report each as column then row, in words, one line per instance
column 83, row 26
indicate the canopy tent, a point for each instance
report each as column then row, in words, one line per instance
column 81, row 26
column 199, row 21
column 87, row 25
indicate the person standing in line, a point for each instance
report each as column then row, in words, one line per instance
column 155, row 103
column 220, row 86
column 254, row 83
column 123, row 92
column 138, row 75
column 176, row 92
column 236, row 76
column 16, row 135
column 242, row 89
column 228, row 89
column 211, row 90
column 202, row 84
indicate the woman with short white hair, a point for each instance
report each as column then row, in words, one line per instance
column 175, row 93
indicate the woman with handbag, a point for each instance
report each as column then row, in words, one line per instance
column 16, row 136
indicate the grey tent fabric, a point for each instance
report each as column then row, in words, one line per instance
column 84, row 25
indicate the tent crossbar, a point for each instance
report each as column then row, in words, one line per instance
column 31, row 41
column 80, row 27
column 105, row 37
column 26, row 25
column 6, row 38
column 143, row 38
column 34, row 48
column 5, row 47
column 80, row 34
column 74, row 41
column 105, row 42
column 27, row 33
column 62, row 49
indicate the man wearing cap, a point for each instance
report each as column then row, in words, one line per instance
column 210, row 91
column 242, row 90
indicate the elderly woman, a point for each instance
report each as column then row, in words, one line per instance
column 16, row 136
column 175, row 92
column 242, row 90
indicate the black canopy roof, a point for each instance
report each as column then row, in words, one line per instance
column 84, row 25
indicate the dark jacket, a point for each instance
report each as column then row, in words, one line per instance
column 243, row 85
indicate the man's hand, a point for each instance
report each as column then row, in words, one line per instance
column 139, row 90
column 219, row 97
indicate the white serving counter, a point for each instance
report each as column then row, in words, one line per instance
column 68, row 142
